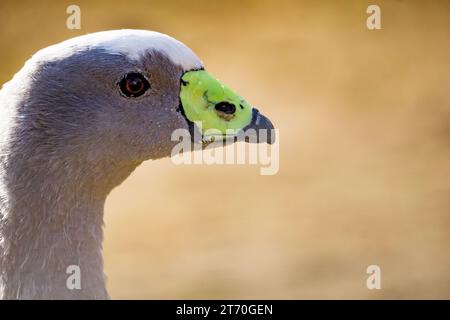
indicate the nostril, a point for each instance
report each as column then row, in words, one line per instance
column 225, row 107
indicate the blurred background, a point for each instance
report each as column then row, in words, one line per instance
column 364, row 120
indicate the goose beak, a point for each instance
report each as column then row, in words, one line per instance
column 217, row 112
column 260, row 129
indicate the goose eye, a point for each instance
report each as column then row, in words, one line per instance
column 133, row 85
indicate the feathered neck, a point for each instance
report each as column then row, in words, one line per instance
column 47, row 226
column 51, row 218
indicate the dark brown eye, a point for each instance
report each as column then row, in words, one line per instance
column 133, row 85
column 225, row 107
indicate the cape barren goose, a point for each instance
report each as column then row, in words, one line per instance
column 75, row 121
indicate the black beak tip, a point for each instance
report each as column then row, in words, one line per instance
column 265, row 131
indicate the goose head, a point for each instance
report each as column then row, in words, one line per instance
column 112, row 99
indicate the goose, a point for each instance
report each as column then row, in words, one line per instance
column 75, row 122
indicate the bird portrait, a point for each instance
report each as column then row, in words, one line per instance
column 224, row 156
column 76, row 121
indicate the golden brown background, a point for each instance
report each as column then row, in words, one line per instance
column 364, row 119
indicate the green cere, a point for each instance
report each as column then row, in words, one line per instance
column 214, row 105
